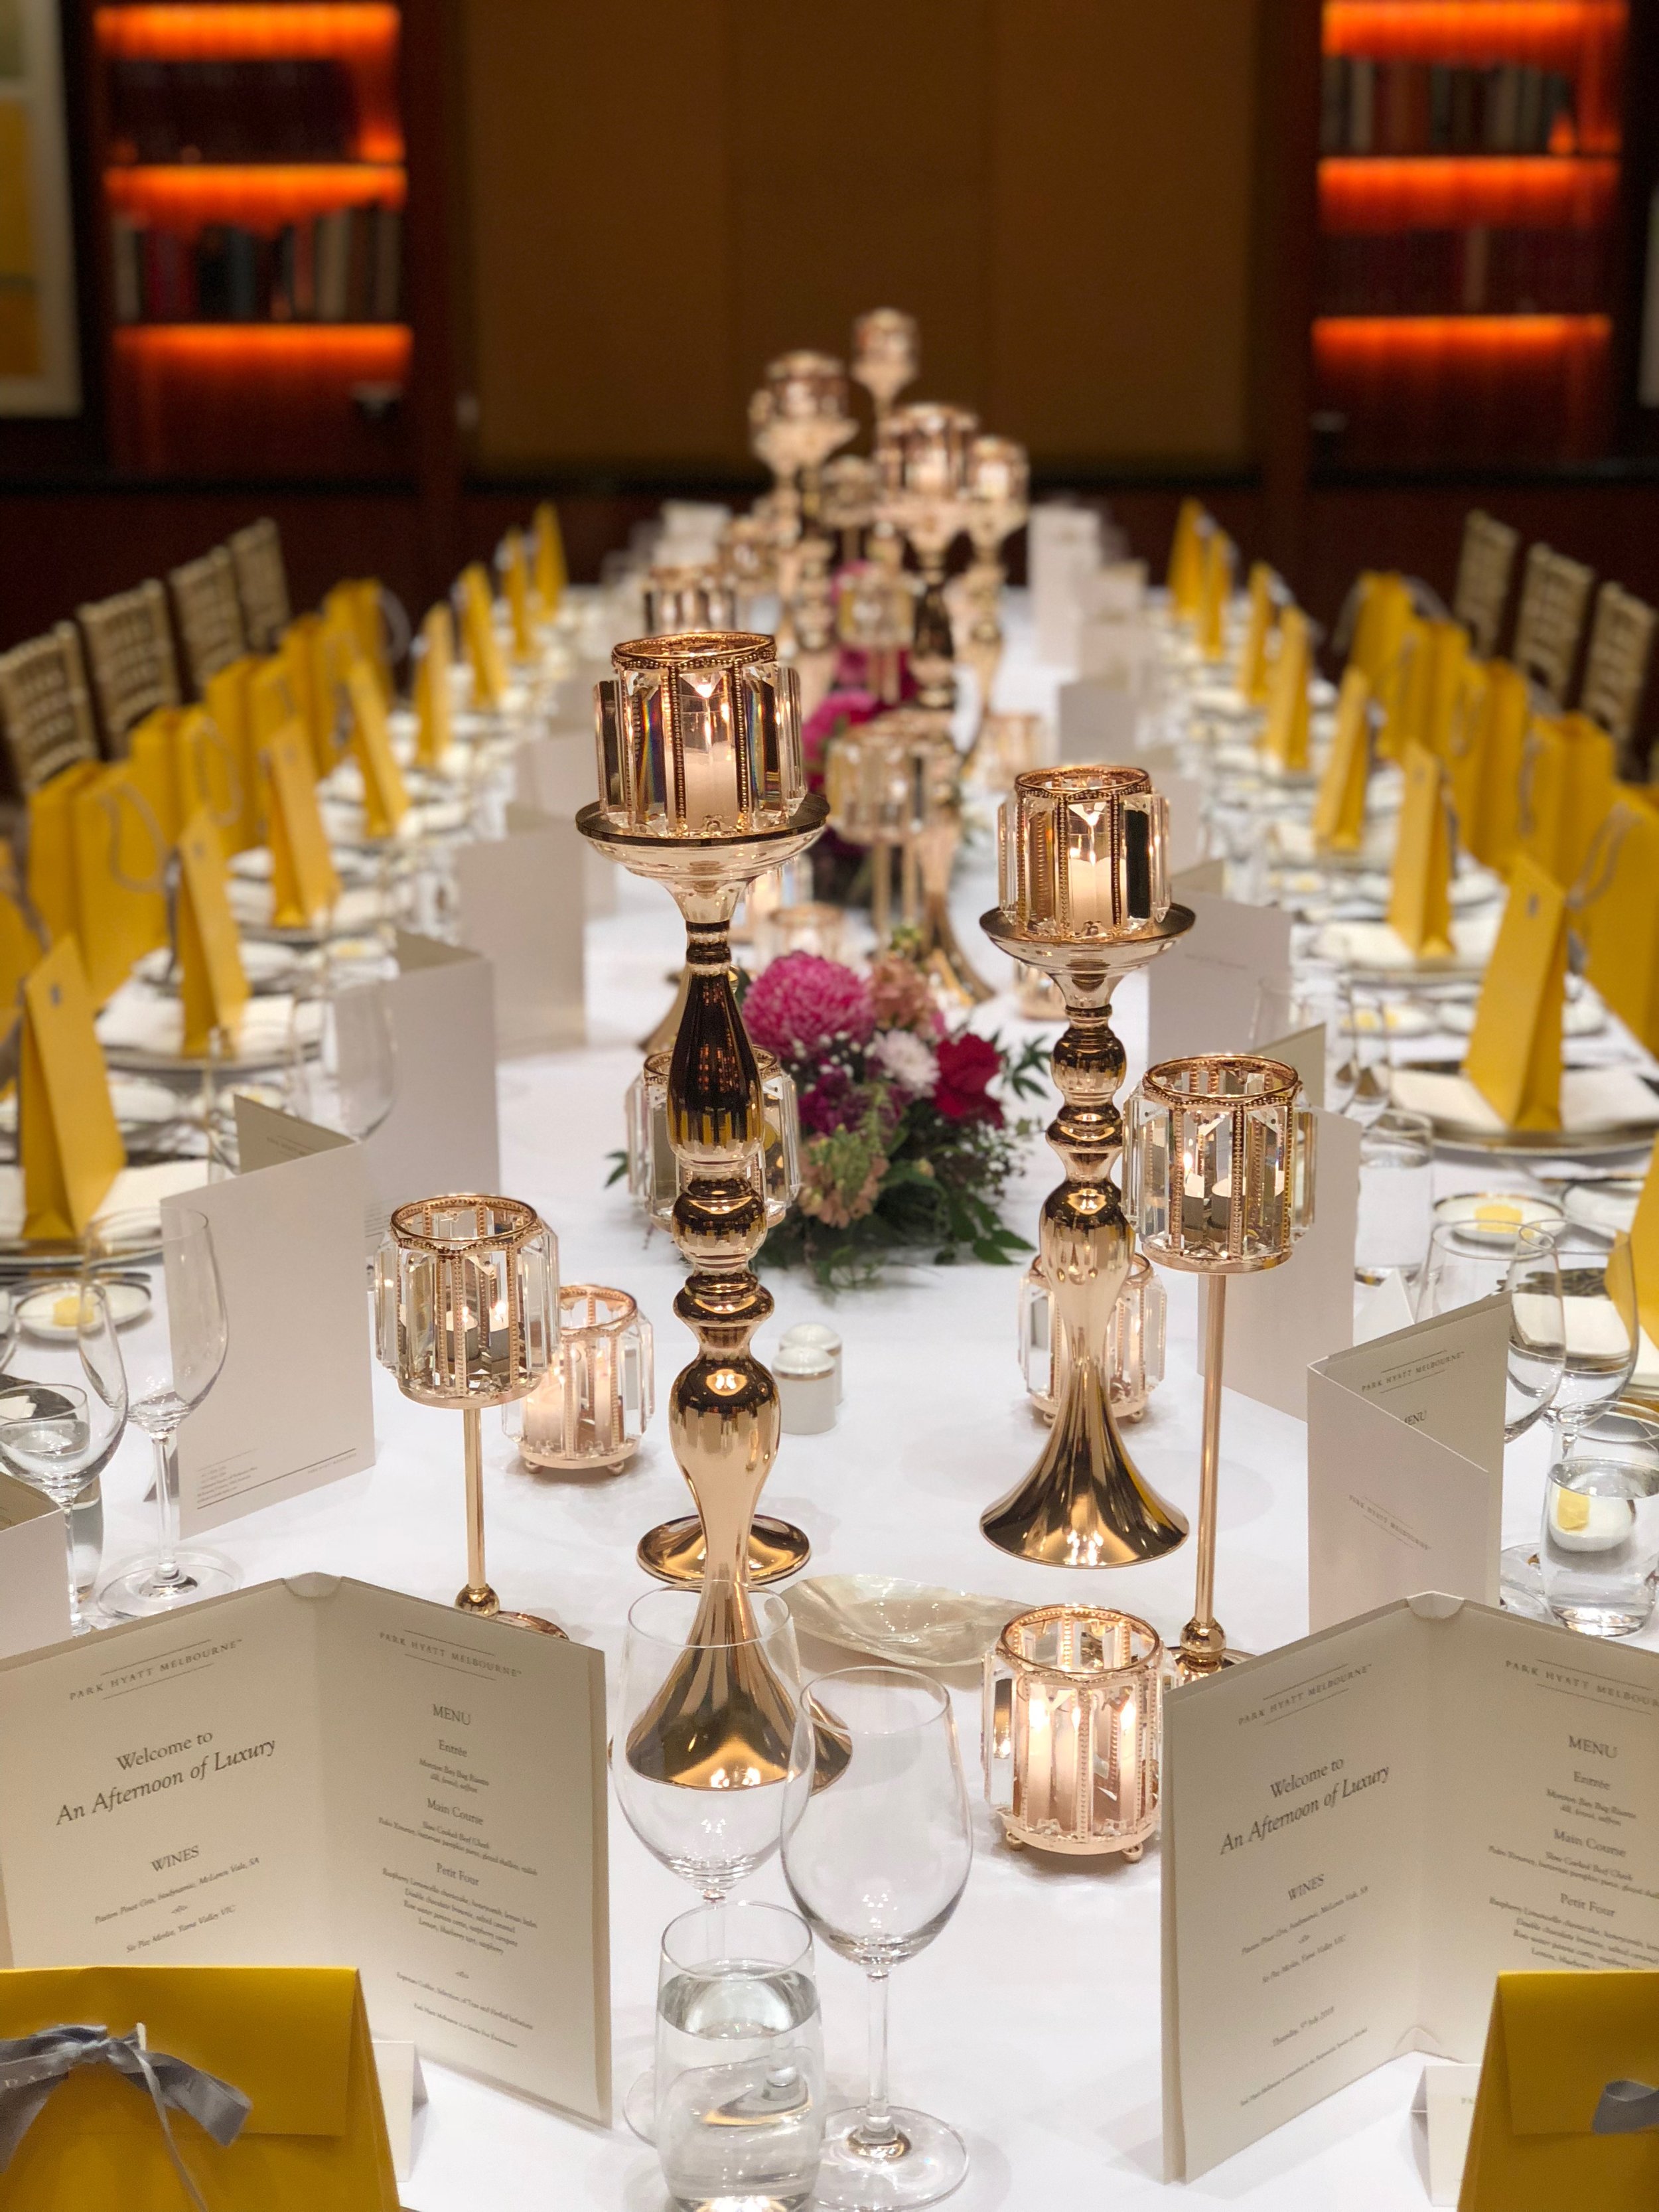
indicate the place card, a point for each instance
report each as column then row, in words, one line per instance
column 1445, row 2103
column 555, row 774
column 33, row 1565
column 522, row 907
column 293, row 1408
column 1202, row 993
column 1405, row 1464
column 1362, row 1830
column 320, row 1772
column 1282, row 1319
column 442, row 1132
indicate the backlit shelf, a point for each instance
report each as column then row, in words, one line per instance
column 342, row 30
column 252, row 191
column 1557, row 35
column 1436, row 192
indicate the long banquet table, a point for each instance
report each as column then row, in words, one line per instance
column 1033, row 2022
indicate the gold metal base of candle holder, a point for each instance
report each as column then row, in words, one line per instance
column 478, row 1597
column 1085, row 1503
column 674, row 1552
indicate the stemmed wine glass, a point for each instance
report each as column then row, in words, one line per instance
column 721, row 1817
column 169, row 1373
column 1316, row 995
column 344, row 1054
column 1598, row 1294
column 57, row 1434
column 1469, row 1261
column 876, row 1861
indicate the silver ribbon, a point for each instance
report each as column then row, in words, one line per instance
column 33, row 2066
column 1627, row 2109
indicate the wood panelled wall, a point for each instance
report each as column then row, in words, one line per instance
column 664, row 193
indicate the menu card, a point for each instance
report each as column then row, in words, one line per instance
column 319, row 1772
column 1361, row 1831
column 1405, row 1464
column 34, row 1575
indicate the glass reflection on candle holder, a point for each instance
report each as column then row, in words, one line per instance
column 653, row 1170
column 699, row 736
column 1134, row 1342
column 595, row 1402
column 1072, row 1726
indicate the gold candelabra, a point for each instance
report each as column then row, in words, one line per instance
column 1219, row 1173
column 703, row 790
column 466, row 1301
column 1083, row 895
column 922, row 466
column 886, row 355
column 998, row 483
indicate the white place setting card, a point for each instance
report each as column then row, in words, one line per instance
column 1201, row 995
column 442, row 1132
column 523, row 907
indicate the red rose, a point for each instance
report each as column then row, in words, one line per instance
column 967, row 1064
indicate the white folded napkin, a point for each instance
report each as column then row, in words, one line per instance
column 1373, row 945
column 1592, row 1099
column 143, row 1021
column 133, row 1190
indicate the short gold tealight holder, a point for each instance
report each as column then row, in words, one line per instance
column 1083, row 887
column 466, row 1304
column 703, row 789
column 1073, row 1724
column 591, row 1408
column 1220, row 1176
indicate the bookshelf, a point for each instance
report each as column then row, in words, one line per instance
column 1470, row 231
column 251, row 175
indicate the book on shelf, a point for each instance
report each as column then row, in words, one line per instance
column 1383, row 107
column 1481, row 270
column 297, row 110
column 344, row 265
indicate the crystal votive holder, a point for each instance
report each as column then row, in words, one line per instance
column 699, row 736
column 1219, row 1159
column 595, row 1402
column 1072, row 1728
column 1082, row 853
column 466, row 1299
column 810, row 926
column 690, row 597
column 1134, row 1341
column 653, row 1170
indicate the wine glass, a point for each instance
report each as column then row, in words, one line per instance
column 344, row 1054
column 58, row 1434
column 717, row 1823
column 1472, row 1260
column 169, row 1372
column 878, row 1861
column 1598, row 1298
column 1316, row 995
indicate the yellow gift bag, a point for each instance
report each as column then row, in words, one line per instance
column 1505, row 708
column 1560, row 2123
column 1568, row 771
column 354, row 607
column 225, row 697
column 305, row 656
column 1339, row 821
column 1216, row 589
column 515, row 582
column 1255, row 657
column 1465, row 729
column 386, row 800
column 1284, row 738
column 551, row 576
column 291, row 2094
column 68, row 1141
column 483, row 647
column 120, row 876
column 434, row 694
column 1186, row 576
column 1514, row 1059
column 1615, row 908
column 1419, row 889
column 51, row 847
column 212, row 982
column 303, row 882
column 1385, row 608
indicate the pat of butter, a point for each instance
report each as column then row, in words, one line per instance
column 1494, row 1216
column 66, row 1311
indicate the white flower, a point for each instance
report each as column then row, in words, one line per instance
column 913, row 1065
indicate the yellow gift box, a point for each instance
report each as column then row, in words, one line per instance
column 294, row 2039
column 1616, row 910
column 1567, row 783
column 1555, row 2045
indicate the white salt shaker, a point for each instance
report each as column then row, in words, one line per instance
column 805, row 1375
column 820, row 1334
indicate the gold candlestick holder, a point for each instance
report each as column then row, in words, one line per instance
column 932, row 814
column 466, row 1301
column 1083, row 885
column 876, row 612
column 688, row 597
column 703, row 789
column 847, row 500
column 921, row 466
column 998, row 485
column 1220, row 1178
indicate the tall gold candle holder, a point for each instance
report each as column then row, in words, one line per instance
column 931, row 786
column 876, row 612
column 999, row 487
column 688, row 597
column 886, row 355
column 1220, row 1178
column 922, row 466
column 1083, row 887
column 466, row 1302
column 807, row 418
column 847, row 500
column 703, row 789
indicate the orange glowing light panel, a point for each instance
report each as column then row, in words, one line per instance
column 1548, row 33
column 1449, row 191
column 260, row 196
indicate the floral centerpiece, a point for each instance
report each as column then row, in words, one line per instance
column 906, row 1144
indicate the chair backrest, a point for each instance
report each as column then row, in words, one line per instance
column 1616, row 665
column 45, row 709
column 210, row 614
column 1484, row 567
column 129, row 654
column 256, row 554
column 1554, row 596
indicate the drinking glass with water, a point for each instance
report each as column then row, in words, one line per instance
column 1599, row 1551
column 739, row 2072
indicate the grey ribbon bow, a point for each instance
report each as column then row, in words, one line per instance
column 1626, row 2108
column 32, row 2067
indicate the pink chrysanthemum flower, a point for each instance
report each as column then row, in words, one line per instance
column 801, row 1003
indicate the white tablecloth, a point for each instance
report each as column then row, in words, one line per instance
column 1032, row 2023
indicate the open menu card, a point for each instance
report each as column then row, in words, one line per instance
column 1362, row 1831
column 1405, row 1464
column 320, row 1772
